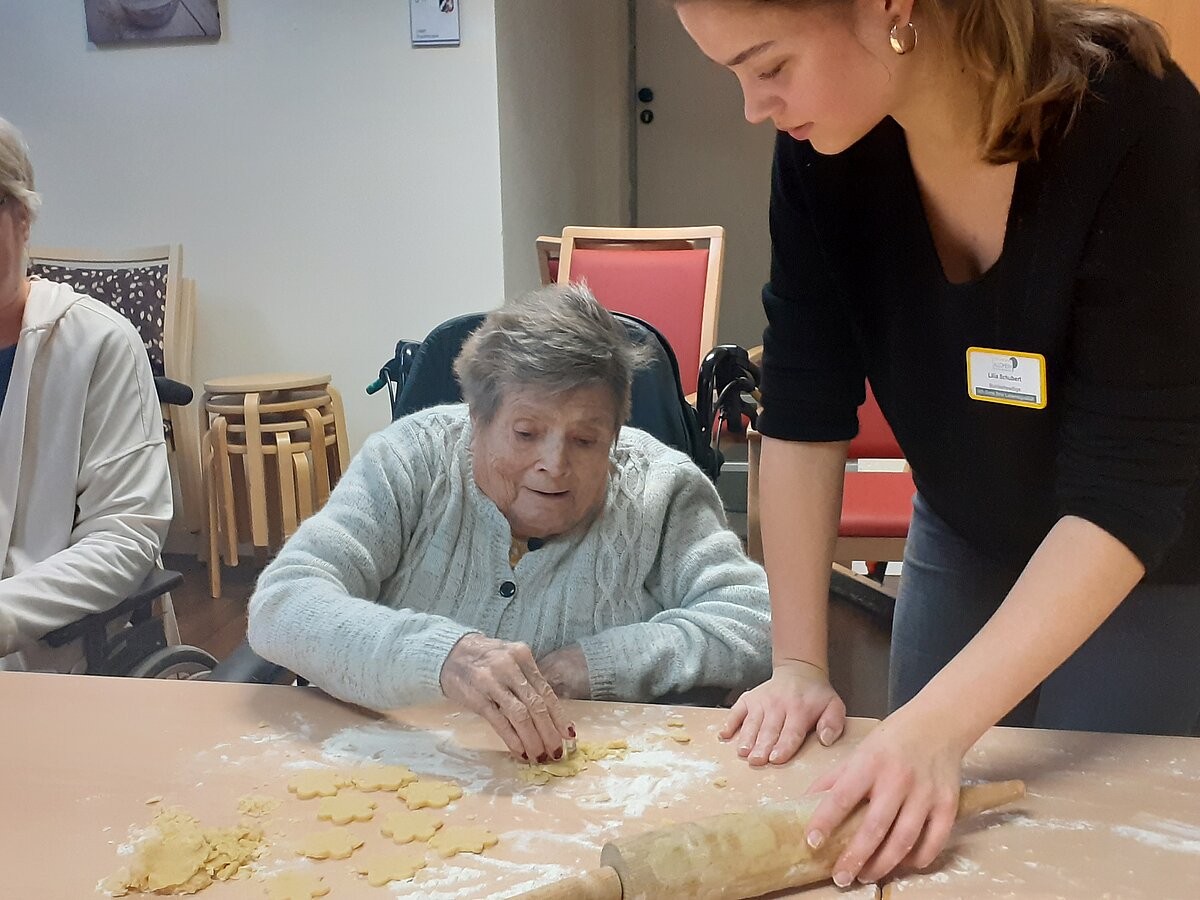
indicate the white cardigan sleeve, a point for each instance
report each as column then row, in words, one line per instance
column 123, row 502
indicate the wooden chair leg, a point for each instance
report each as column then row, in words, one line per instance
column 320, row 458
column 212, row 520
column 339, row 425
column 754, row 547
column 256, row 478
column 224, row 466
column 304, row 489
column 287, row 484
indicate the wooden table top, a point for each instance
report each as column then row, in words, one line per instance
column 1114, row 816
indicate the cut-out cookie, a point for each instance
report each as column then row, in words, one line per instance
column 681, row 737
column 437, row 794
column 540, row 773
column 403, row 827
column 296, row 886
column 346, row 808
column 382, row 778
column 395, row 865
column 333, row 843
column 318, row 783
column 462, row 839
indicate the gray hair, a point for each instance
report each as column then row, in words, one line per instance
column 558, row 339
column 16, row 172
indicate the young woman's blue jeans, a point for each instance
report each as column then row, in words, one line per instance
column 1139, row 673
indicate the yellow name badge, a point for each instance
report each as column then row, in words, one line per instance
column 1006, row 376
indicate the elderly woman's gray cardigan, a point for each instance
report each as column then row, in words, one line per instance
column 371, row 594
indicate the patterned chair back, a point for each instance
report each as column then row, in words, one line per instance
column 136, row 284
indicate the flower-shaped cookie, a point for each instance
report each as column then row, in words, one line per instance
column 318, row 783
column 403, row 827
column 396, row 865
column 333, row 843
column 429, row 793
column 296, row 886
column 462, row 839
column 346, row 808
column 382, row 778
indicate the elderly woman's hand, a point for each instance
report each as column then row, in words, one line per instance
column 567, row 672
column 771, row 721
column 500, row 681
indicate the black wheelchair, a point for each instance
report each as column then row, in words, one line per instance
column 134, row 638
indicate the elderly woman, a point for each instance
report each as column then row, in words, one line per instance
column 85, row 493
column 520, row 548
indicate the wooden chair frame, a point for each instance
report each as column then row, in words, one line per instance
column 179, row 330
column 712, row 236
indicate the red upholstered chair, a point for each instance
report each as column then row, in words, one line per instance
column 876, row 496
column 548, row 249
column 669, row 277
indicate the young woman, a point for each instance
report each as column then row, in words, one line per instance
column 991, row 210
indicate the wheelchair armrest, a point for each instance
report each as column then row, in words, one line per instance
column 172, row 392
column 247, row 667
column 155, row 584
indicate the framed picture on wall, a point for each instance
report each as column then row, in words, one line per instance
column 130, row 21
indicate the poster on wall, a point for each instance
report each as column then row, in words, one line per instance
column 434, row 23
column 131, row 21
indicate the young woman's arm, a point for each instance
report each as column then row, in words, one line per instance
column 799, row 524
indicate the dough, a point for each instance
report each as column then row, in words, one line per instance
column 296, row 886
column 681, row 737
column 675, row 723
column 333, row 843
column 185, row 857
column 395, row 865
column 318, row 783
column 403, row 827
column 462, row 839
column 256, row 805
column 419, row 794
column 382, row 778
column 720, row 782
column 570, row 766
column 346, row 808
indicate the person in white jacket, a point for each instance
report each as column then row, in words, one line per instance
column 85, row 491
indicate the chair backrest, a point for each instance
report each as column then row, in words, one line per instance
column 548, row 249
column 143, row 285
column 425, row 377
column 669, row 277
column 875, row 439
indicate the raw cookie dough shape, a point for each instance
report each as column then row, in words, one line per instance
column 462, row 839
column 296, row 886
column 420, row 794
column 395, row 865
column 185, row 857
column 333, row 843
column 541, row 773
column 318, row 783
column 403, row 827
column 382, row 778
column 681, row 737
column 346, row 808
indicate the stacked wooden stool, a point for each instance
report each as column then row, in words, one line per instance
column 274, row 446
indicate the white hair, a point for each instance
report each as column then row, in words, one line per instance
column 16, row 172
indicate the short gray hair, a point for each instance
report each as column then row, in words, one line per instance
column 16, row 172
column 558, row 339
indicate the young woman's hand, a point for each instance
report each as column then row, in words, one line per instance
column 500, row 681
column 910, row 775
column 771, row 721
column 567, row 671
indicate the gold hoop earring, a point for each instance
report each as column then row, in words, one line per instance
column 903, row 38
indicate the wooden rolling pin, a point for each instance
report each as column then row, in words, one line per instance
column 734, row 855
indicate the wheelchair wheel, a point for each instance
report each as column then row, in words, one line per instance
column 180, row 662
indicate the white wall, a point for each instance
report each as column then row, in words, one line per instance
column 333, row 188
column 564, row 122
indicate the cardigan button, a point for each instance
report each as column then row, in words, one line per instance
column 508, row 590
